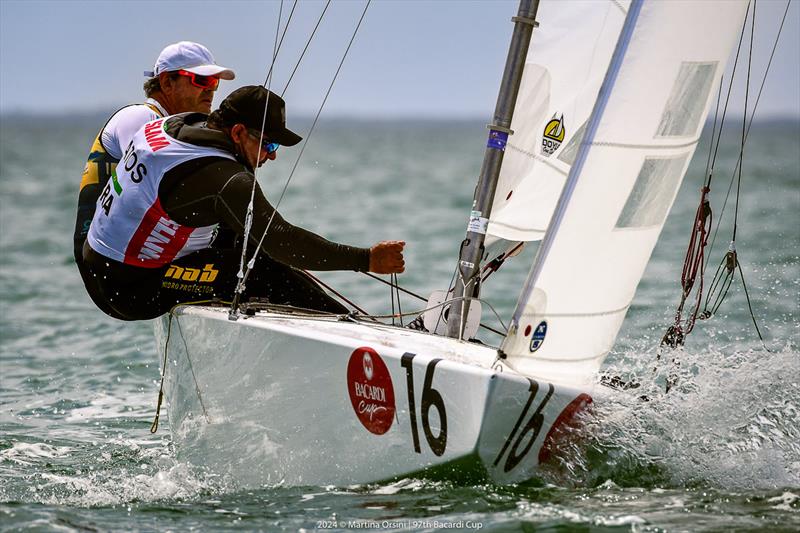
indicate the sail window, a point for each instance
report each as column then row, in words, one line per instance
column 687, row 101
column 652, row 194
column 570, row 151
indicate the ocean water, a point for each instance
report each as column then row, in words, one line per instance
column 720, row 452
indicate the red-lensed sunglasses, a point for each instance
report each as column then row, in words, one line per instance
column 204, row 82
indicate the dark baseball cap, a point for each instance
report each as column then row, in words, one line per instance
column 246, row 106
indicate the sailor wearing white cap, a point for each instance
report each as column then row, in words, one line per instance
column 189, row 56
column 184, row 78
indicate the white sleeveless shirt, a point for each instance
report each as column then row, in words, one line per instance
column 129, row 224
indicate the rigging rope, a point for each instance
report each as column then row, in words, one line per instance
column 750, row 123
column 268, row 82
column 399, row 309
column 243, row 279
column 494, row 265
column 303, row 53
column 417, row 296
column 694, row 263
column 724, row 275
column 450, row 301
column 334, row 291
column 248, row 221
column 394, row 289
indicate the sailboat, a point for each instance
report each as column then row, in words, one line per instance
column 600, row 110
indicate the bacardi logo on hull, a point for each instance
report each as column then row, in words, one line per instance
column 371, row 392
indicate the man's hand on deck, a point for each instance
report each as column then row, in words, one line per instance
column 386, row 257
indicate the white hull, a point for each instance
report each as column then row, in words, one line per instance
column 294, row 400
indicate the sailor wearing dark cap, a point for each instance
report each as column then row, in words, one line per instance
column 154, row 239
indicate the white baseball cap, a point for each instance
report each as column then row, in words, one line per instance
column 189, row 56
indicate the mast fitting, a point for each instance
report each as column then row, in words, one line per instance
column 500, row 128
column 525, row 20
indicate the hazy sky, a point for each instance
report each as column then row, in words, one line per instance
column 410, row 58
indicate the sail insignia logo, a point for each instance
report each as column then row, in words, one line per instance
column 553, row 135
column 538, row 336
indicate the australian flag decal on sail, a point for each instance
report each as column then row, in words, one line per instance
column 497, row 140
column 538, row 336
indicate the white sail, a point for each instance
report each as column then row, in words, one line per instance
column 637, row 144
column 568, row 58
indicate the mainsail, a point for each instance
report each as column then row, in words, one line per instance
column 568, row 58
column 634, row 152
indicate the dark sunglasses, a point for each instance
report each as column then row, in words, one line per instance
column 266, row 145
column 204, row 82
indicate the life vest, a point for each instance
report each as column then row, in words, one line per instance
column 129, row 224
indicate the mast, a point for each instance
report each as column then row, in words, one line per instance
column 472, row 247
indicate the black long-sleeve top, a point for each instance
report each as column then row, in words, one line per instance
column 217, row 190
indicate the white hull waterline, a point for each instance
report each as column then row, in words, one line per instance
column 316, row 401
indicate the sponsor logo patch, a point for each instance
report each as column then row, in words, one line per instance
column 155, row 136
column 553, row 135
column 371, row 392
column 538, row 336
column 207, row 275
column 161, row 234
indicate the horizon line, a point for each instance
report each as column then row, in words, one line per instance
column 338, row 115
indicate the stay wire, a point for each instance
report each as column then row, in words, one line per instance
column 243, row 274
column 720, row 284
column 723, row 277
column 391, row 295
column 252, row 261
column 730, row 261
column 396, row 284
column 337, row 293
column 308, row 43
column 450, row 301
column 278, row 44
column 750, row 307
column 695, row 260
column 248, row 224
column 744, row 122
column 727, row 101
column 749, row 125
column 707, row 177
column 417, row 296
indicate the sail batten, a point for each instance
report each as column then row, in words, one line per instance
column 625, row 163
